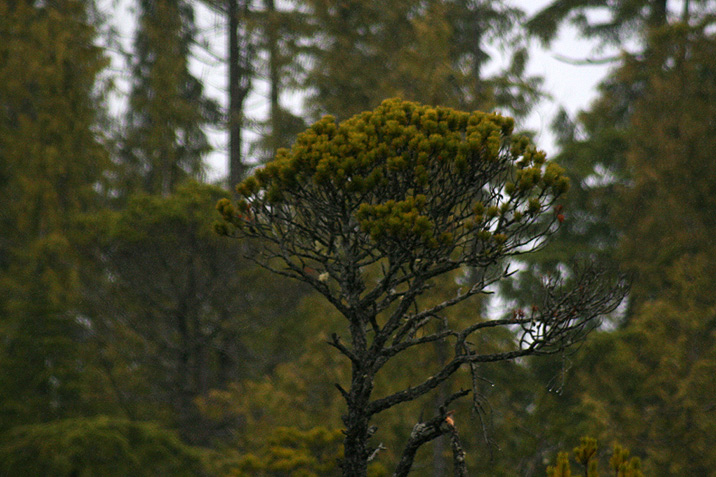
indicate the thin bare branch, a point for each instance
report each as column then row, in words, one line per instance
column 587, row 61
column 335, row 341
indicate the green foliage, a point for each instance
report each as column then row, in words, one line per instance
column 408, row 175
column 47, row 75
column 164, row 142
column 294, row 453
column 675, row 195
column 586, row 457
column 434, row 52
column 586, row 450
column 145, row 313
column 599, row 147
column 561, row 468
column 655, row 371
column 97, row 446
column 170, row 287
column 53, row 161
column 372, row 210
column 666, row 243
column 640, row 198
column 303, row 384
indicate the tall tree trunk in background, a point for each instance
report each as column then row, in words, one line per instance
column 658, row 13
column 274, row 80
column 240, row 55
column 685, row 11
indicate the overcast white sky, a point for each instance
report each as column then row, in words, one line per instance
column 572, row 87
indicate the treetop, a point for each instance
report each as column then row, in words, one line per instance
column 428, row 182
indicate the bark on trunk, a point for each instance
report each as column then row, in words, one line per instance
column 355, row 459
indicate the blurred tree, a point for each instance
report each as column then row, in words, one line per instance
column 643, row 383
column 98, row 446
column 594, row 148
column 53, row 161
column 395, row 190
column 619, row 21
column 164, row 141
column 586, row 457
column 176, row 311
column 649, row 385
column 242, row 50
column 264, row 43
column 298, row 392
column 627, row 179
column 304, row 385
column 593, row 152
column 434, row 51
column 283, row 33
column 294, row 453
column 670, row 135
column 668, row 243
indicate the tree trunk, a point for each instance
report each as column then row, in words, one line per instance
column 685, row 11
column 355, row 444
column 239, row 84
column 440, row 468
column 658, row 14
column 355, row 459
column 274, row 87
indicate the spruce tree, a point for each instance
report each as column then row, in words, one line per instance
column 163, row 285
column 164, row 141
column 53, row 160
column 644, row 201
column 435, row 51
column 624, row 19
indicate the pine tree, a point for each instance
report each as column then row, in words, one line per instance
column 433, row 51
column 392, row 192
column 587, row 459
column 594, row 146
column 668, row 243
column 164, row 142
column 53, row 160
column 645, row 383
column 105, row 446
column 669, row 142
column 164, row 285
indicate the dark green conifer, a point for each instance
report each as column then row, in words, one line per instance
column 434, row 52
column 164, row 141
column 52, row 154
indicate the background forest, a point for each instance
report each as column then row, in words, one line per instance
column 136, row 341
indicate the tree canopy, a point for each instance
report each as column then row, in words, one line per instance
column 370, row 210
column 130, row 331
